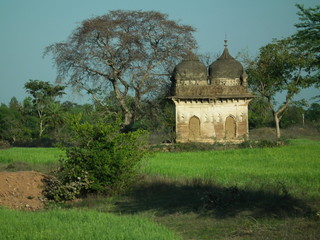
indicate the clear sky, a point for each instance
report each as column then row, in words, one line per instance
column 28, row 26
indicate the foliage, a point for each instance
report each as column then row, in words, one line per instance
column 159, row 120
column 263, row 143
column 313, row 114
column 280, row 67
column 130, row 53
column 294, row 115
column 15, row 123
column 62, row 186
column 43, row 98
column 308, row 37
column 102, row 158
column 259, row 113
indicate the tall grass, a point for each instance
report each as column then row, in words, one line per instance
column 76, row 224
column 295, row 166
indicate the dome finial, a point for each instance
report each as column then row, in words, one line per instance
column 226, row 42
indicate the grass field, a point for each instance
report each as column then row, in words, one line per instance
column 72, row 224
column 30, row 155
column 36, row 159
column 265, row 193
column 296, row 166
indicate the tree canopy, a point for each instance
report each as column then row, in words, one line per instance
column 130, row 53
column 308, row 37
column 43, row 97
column 280, row 68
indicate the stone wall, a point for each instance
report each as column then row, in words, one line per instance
column 206, row 120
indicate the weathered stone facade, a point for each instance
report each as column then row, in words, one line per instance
column 211, row 107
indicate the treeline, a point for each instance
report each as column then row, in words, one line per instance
column 260, row 116
column 41, row 119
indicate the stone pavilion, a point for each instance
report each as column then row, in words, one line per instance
column 211, row 105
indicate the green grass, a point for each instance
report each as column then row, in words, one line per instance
column 295, row 166
column 30, row 155
column 78, row 224
column 175, row 191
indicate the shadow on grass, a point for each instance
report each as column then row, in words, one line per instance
column 169, row 197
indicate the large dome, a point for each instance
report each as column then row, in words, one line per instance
column 226, row 67
column 190, row 68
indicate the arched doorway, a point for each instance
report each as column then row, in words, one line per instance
column 230, row 129
column 194, row 128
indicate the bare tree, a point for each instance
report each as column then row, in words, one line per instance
column 128, row 52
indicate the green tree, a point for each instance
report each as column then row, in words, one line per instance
column 43, row 95
column 10, row 120
column 280, row 68
column 13, row 123
column 313, row 114
column 259, row 113
column 293, row 115
column 14, row 104
column 56, row 117
column 308, row 37
column 131, row 53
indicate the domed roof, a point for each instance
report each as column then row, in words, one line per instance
column 190, row 65
column 225, row 67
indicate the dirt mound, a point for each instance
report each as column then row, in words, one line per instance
column 22, row 190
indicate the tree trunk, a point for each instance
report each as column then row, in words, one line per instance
column 128, row 115
column 277, row 121
column 41, row 128
column 279, row 114
column 128, row 119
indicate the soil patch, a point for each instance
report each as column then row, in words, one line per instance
column 22, row 190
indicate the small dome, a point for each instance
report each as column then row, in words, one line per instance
column 190, row 67
column 226, row 67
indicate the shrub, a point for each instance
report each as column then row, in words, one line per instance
column 4, row 144
column 101, row 159
column 62, row 187
column 263, row 143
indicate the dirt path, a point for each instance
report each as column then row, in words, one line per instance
column 21, row 190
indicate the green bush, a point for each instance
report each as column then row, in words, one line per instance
column 263, row 143
column 101, row 159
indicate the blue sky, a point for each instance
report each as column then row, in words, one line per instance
column 28, row 26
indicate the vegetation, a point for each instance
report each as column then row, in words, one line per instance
column 263, row 190
column 308, row 35
column 73, row 224
column 31, row 155
column 313, row 114
column 128, row 53
column 287, row 65
column 279, row 68
column 128, row 71
column 102, row 159
column 21, row 124
column 44, row 100
column 243, row 194
column 247, row 168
